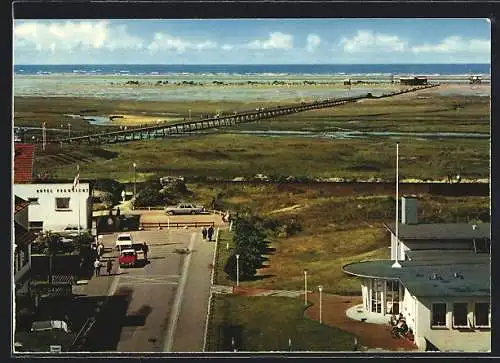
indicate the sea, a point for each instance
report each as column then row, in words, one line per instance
column 257, row 69
column 109, row 81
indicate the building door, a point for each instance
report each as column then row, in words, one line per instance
column 392, row 297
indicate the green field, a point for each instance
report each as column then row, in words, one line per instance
column 241, row 318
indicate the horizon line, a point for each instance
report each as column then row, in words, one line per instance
column 239, row 64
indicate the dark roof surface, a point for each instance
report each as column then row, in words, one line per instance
column 23, row 163
column 440, row 256
column 416, row 276
column 440, row 231
column 20, row 204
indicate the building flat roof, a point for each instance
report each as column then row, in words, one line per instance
column 473, row 278
column 440, row 231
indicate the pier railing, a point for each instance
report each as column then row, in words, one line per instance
column 165, row 129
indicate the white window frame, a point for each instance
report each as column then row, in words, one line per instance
column 445, row 326
column 63, row 209
column 489, row 315
column 455, row 326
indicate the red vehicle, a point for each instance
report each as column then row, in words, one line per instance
column 128, row 258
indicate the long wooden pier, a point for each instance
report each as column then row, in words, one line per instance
column 168, row 129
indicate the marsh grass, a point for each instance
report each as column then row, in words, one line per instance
column 229, row 156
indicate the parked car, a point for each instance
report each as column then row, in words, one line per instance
column 128, row 258
column 184, row 208
column 124, row 241
column 71, row 230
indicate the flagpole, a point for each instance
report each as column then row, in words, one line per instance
column 78, row 196
column 396, row 263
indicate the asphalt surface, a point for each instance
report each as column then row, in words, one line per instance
column 162, row 306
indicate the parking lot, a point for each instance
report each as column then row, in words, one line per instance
column 167, row 294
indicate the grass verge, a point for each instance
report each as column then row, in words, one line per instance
column 224, row 248
column 241, row 318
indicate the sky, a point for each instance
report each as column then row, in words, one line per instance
column 252, row 41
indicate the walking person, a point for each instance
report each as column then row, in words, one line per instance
column 109, row 266
column 100, row 249
column 145, row 249
column 97, row 267
column 210, row 233
column 204, row 232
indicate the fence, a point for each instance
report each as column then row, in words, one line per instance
column 160, row 225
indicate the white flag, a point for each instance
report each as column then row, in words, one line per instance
column 76, row 182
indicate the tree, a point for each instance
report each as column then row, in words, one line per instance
column 51, row 243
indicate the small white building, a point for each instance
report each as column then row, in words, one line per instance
column 442, row 287
column 55, row 206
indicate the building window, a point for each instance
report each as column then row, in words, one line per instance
column 62, row 203
column 377, row 291
column 482, row 245
column 482, row 315
column 35, row 226
column 438, row 315
column 460, row 315
column 33, row 200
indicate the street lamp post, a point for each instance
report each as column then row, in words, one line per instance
column 135, row 165
column 69, row 130
column 237, row 270
column 44, row 136
column 305, row 287
column 320, row 288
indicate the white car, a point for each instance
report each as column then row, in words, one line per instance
column 124, row 240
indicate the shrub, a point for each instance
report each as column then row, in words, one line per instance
column 148, row 194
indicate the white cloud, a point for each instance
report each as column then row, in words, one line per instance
column 313, row 41
column 71, row 35
column 455, row 44
column 367, row 41
column 163, row 41
column 227, row 47
column 276, row 40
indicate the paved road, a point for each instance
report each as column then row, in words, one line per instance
column 167, row 300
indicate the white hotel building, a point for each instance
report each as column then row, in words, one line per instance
column 56, row 206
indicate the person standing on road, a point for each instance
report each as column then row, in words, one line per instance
column 100, row 249
column 210, row 233
column 204, row 233
column 97, row 267
column 109, row 266
column 145, row 249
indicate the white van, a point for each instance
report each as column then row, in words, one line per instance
column 124, row 240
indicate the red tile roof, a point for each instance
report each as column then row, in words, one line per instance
column 20, row 204
column 23, row 237
column 23, row 163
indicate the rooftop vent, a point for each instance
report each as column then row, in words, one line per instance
column 458, row 276
column 409, row 209
column 435, row 277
